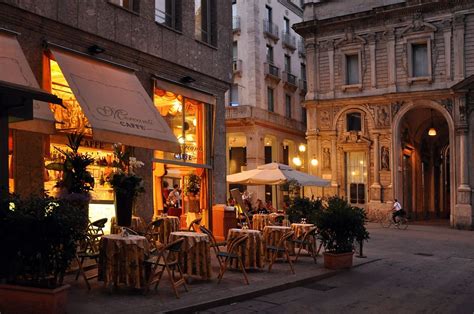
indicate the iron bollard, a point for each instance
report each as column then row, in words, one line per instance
column 361, row 253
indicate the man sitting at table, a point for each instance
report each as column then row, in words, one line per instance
column 270, row 207
column 260, row 208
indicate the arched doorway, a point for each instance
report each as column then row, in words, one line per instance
column 423, row 160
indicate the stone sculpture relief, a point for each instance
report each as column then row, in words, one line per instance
column 383, row 117
column 385, row 156
column 325, row 120
column 326, row 158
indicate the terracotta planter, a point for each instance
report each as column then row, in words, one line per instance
column 27, row 300
column 338, row 260
column 124, row 209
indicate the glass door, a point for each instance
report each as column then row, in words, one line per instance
column 356, row 177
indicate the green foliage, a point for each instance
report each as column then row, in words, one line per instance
column 340, row 224
column 124, row 180
column 193, row 184
column 38, row 238
column 76, row 178
column 303, row 208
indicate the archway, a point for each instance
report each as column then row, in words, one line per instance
column 423, row 163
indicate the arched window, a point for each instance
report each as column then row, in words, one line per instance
column 354, row 121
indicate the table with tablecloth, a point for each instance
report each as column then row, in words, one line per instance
column 138, row 225
column 252, row 253
column 272, row 235
column 195, row 258
column 170, row 224
column 121, row 260
column 259, row 221
column 300, row 229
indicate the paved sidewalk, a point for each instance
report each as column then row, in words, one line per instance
column 201, row 295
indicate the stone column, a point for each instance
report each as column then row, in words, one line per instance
column 373, row 72
column 312, row 75
column 392, row 70
column 375, row 187
column 447, row 48
column 331, row 65
column 463, row 165
column 255, row 157
column 334, row 162
column 458, row 43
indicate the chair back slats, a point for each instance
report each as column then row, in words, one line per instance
column 195, row 225
column 209, row 234
column 285, row 237
column 236, row 242
column 174, row 246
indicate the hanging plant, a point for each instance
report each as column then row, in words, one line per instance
column 193, row 185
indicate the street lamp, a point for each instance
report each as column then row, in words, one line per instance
column 297, row 161
column 314, row 161
column 302, row 148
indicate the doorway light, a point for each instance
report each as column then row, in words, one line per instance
column 432, row 130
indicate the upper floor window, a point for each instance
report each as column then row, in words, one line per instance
column 269, row 54
column 132, row 5
column 286, row 25
column 420, row 60
column 234, row 95
column 303, row 71
column 205, row 21
column 234, row 8
column 269, row 14
column 304, row 117
column 270, row 99
column 352, row 69
column 234, row 50
column 288, row 106
column 168, row 12
column 354, row 121
column 287, row 63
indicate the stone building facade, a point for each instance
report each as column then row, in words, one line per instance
column 389, row 103
column 265, row 121
column 160, row 40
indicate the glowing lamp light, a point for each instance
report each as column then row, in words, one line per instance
column 314, row 162
column 181, row 140
column 297, row 161
column 432, row 132
column 302, row 148
column 194, row 122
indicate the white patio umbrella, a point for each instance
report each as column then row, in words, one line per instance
column 274, row 174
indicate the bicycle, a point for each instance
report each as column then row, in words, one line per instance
column 401, row 222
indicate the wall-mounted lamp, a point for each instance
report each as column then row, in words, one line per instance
column 302, row 148
column 297, row 161
column 314, row 161
column 95, row 49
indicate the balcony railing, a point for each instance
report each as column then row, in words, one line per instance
column 301, row 48
column 246, row 112
column 237, row 67
column 272, row 71
column 289, row 41
column 290, row 80
column 236, row 24
column 270, row 30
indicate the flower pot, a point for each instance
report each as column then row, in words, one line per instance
column 124, row 209
column 338, row 260
column 21, row 299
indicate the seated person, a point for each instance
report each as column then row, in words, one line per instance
column 260, row 208
column 270, row 207
column 231, row 201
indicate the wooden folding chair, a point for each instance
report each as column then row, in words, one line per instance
column 308, row 240
column 195, row 225
column 152, row 234
column 89, row 250
column 214, row 244
column 167, row 259
column 281, row 247
column 231, row 254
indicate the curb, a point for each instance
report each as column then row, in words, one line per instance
column 258, row 293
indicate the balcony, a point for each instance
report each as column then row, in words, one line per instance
column 302, row 85
column 288, row 40
column 236, row 24
column 237, row 67
column 301, row 48
column 270, row 30
column 289, row 81
column 251, row 114
column 272, row 72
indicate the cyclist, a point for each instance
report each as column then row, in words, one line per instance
column 397, row 210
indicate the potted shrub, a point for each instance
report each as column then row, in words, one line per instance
column 126, row 183
column 340, row 224
column 303, row 208
column 192, row 188
column 76, row 181
column 38, row 238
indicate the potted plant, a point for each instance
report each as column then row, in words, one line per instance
column 192, row 188
column 38, row 238
column 303, row 207
column 339, row 225
column 126, row 183
column 76, row 181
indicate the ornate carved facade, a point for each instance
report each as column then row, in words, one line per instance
column 389, row 105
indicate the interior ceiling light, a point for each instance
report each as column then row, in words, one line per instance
column 302, row 148
column 432, row 130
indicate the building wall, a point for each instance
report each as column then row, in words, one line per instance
column 133, row 40
column 386, row 93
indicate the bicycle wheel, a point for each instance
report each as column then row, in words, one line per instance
column 387, row 221
column 402, row 223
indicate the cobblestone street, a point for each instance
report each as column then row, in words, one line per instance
column 424, row 269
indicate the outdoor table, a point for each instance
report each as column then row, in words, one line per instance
column 195, row 258
column 170, row 224
column 259, row 221
column 121, row 260
column 252, row 253
column 272, row 235
column 299, row 229
column 137, row 225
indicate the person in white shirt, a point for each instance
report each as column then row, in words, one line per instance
column 397, row 210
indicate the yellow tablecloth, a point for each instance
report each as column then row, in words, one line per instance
column 121, row 260
column 300, row 229
column 170, row 224
column 196, row 257
column 252, row 253
column 259, row 221
column 272, row 235
column 137, row 225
